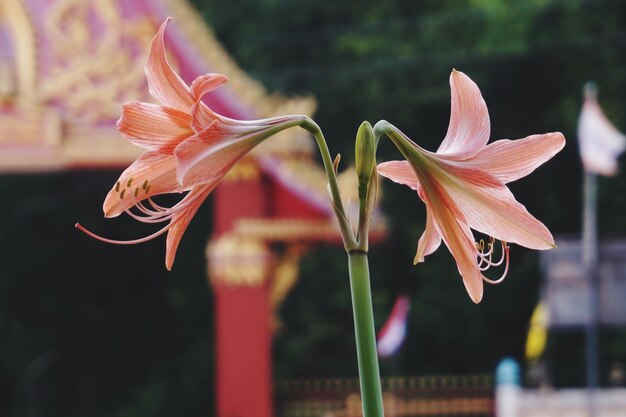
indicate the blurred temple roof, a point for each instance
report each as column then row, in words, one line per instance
column 67, row 65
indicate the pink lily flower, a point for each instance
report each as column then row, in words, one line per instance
column 189, row 148
column 464, row 187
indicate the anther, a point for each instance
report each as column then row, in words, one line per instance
column 117, row 186
column 144, row 185
column 122, row 193
column 485, row 261
column 130, row 181
column 136, row 191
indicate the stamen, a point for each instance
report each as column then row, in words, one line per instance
column 136, row 191
column 150, row 218
column 117, row 186
column 155, row 205
column 504, row 246
column 485, row 261
column 123, row 242
column 506, row 269
column 154, row 214
column 144, row 185
column 485, row 257
column 130, row 181
column 149, row 211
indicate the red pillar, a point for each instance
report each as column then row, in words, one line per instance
column 243, row 355
column 238, row 272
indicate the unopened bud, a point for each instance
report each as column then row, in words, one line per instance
column 365, row 154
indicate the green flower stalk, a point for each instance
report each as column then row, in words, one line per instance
column 356, row 248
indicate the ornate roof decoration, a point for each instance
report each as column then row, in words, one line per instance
column 66, row 65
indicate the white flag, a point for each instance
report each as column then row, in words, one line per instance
column 600, row 143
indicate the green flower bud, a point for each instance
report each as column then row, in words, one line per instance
column 365, row 154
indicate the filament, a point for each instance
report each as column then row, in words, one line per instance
column 149, row 218
column 150, row 212
column 123, row 242
column 506, row 270
column 485, row 257
column 485, row 262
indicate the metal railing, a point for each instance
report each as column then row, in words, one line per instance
column 435, row 396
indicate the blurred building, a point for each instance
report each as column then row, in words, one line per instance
column 65, row 68
column 566, row 286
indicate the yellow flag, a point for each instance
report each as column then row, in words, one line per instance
column 537, row 332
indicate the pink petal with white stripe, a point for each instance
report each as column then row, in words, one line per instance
column 164, row 83
column 153, row 127
column 469, row 126
column 510, row 160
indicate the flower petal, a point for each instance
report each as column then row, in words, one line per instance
column 181, row 220
column 458, row 238
column 211, row 153
column 154, row 169
column 400, row 172
column 429, row 241
column 510, row 160
column 205, row 84
column 202, row 115
column 154, row 127
column 163, row 82
column 469, row 127
column 208, row 156
column 491, row 208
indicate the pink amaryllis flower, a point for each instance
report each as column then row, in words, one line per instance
column 189, row 148
column 464, row 187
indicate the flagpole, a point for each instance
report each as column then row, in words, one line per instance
column 590, row 265
column 600, row 144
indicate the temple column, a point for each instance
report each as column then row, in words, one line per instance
column 239, row 270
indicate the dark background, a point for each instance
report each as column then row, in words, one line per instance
column 88, row 329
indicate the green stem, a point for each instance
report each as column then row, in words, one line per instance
column 346, row 231
column 367, row 357
column 369, row 376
